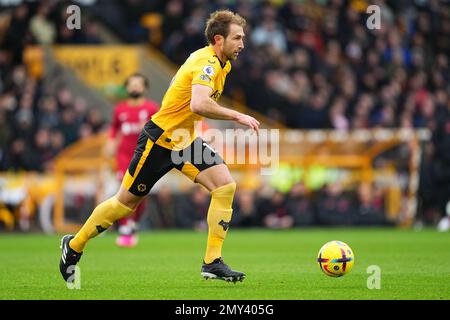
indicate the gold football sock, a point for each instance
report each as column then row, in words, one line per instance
column 219, row 216
column 101, row 219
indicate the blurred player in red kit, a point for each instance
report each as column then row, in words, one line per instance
column 127, row 122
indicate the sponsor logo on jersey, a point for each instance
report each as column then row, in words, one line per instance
column 130, row 128
column 205, row 78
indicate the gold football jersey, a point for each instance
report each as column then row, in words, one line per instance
column 175, row 116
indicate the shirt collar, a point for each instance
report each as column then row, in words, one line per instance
column 211, row 49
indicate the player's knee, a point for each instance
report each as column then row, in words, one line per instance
column 225, row 189
column 128, row 199
column 224, row 194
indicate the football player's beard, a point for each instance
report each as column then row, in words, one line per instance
column 231, row 56
column 135, row 95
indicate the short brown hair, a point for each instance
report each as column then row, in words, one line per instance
column 137, row 75
column 219, row 24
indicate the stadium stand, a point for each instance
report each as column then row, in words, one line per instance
column 36, row 124
column 307, row 65
column 320, row 67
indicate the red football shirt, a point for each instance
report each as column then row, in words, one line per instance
column 127, row 122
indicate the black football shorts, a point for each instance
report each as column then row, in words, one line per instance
column 151, row 161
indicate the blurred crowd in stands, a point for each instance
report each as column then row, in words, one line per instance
column 315, row 64
column 307, row 64
column 35, row 123
column 270, row 208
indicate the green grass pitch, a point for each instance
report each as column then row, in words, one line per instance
column 278, row 264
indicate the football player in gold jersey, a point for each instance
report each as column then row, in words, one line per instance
column 192, row 95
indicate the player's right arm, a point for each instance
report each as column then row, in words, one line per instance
column 204, row 105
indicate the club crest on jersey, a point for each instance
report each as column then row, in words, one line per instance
column 208, row 70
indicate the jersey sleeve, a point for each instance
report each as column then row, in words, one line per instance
column 114, row 124
column 205, row 72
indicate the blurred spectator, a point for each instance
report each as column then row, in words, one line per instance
column 48, row 112
column 245, row 214
column 173, row 17
column 41, row 154
column 133, row 11
column 194, row 209
column 16, row 34
column 300, row 206
column 69, row 126
column 163, row 210
column 36, row 126
column 42, row 28
column 369, row 206
column 334, row 206
column 91, row 33
column 95, row 120
column 274, row 213
column 268, row 33
column 337, row 117
column 5, row 133
column 57, row 142
column 16, row 156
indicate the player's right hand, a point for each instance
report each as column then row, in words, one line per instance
column 248, row 121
